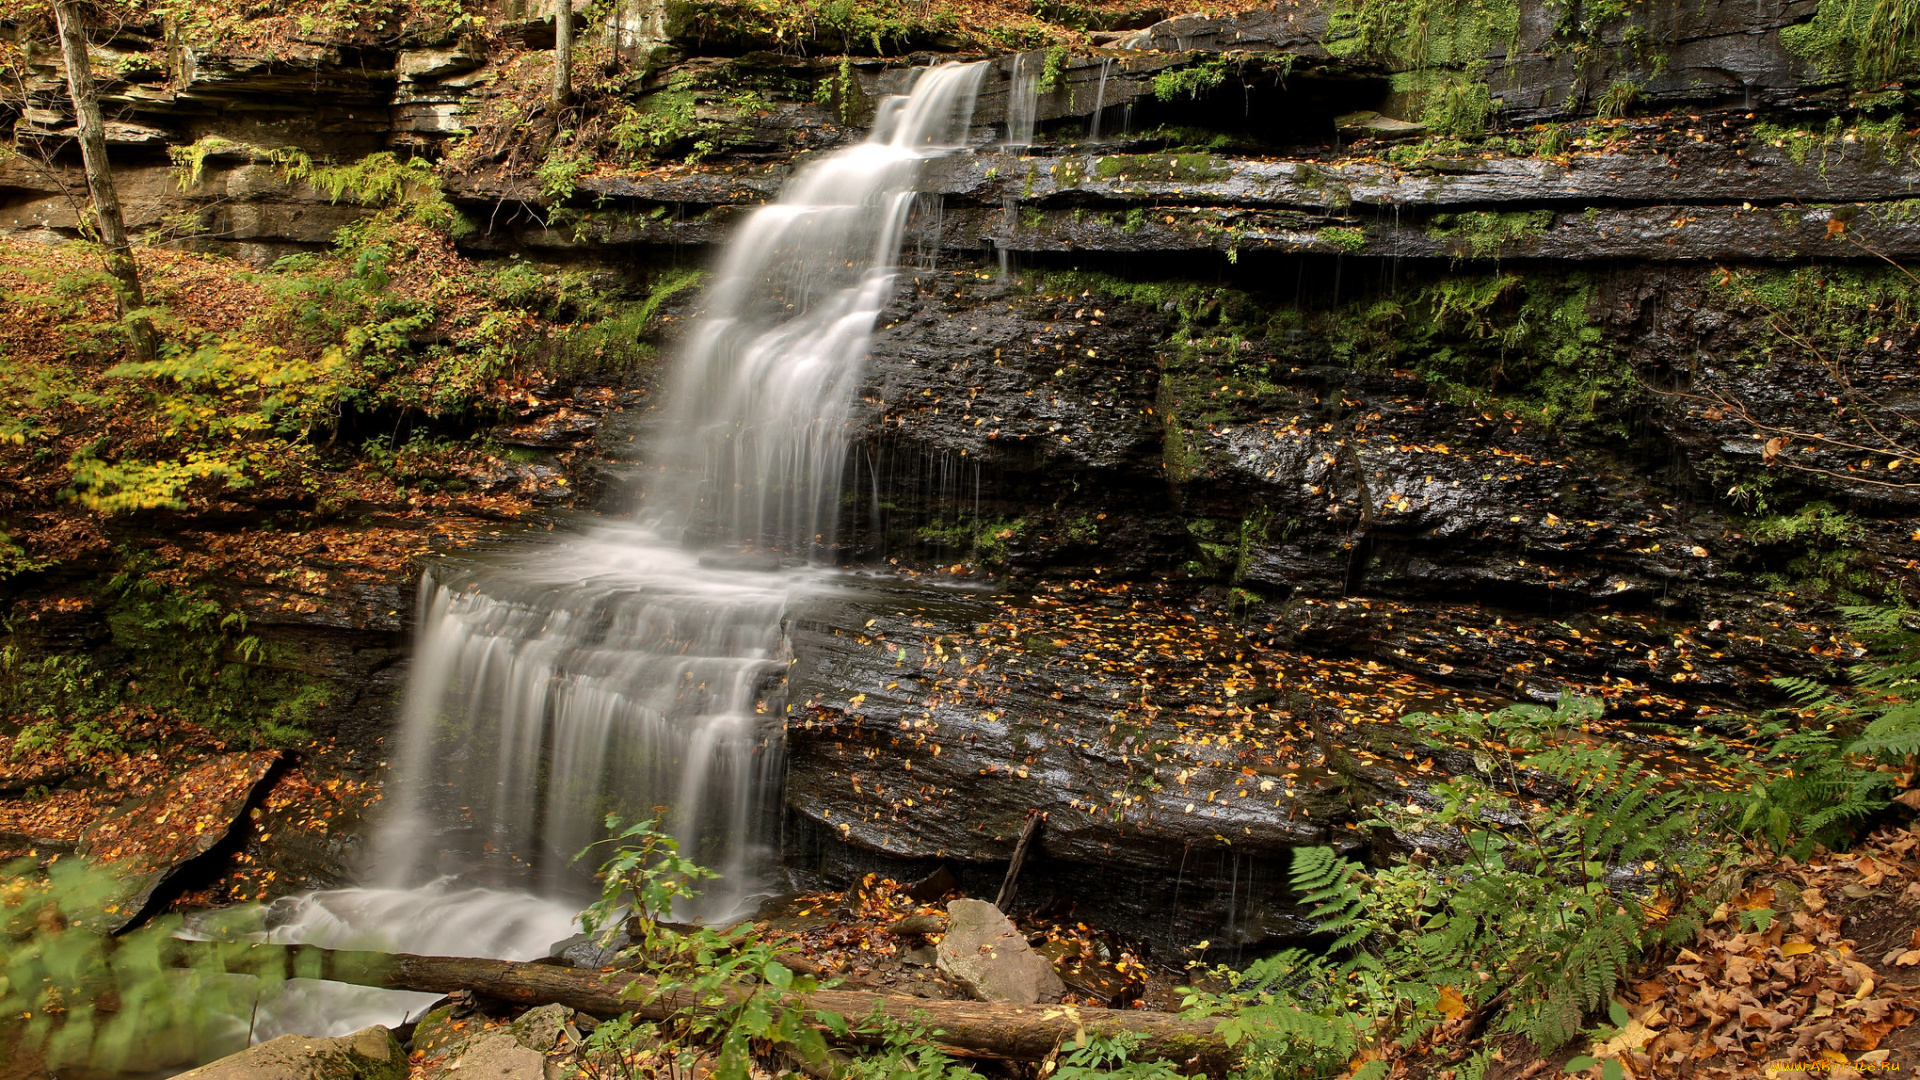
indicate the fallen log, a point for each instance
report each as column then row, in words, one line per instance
column 1011, row 1032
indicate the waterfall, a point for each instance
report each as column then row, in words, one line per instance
column 612, row 671
column 639, row 664
column 1023, row 99
column 1099, row 101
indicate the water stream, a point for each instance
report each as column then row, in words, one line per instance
column 1099, row 102
column 633, row 665
column 1023, row 99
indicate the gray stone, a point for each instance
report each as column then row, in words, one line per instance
column 991, row 960
column 583, row 951
column 1369, row 124
column 539, row 1029
column 125, row 134
column 371, row 1054
column 435, row 63
column 499, row 1056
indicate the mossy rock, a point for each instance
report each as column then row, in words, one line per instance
column 371, row 1054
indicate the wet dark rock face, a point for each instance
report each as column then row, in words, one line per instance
column 918, row 742
column 1361, row 521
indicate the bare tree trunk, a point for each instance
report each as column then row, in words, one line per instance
column 93, row 156
column 1009, row 1032
column 562, row 54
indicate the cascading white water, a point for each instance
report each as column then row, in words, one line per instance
column 1023, row 99
column 637, row 665
column 610, row 672
column 1099, row 101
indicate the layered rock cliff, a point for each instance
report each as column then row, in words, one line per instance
column 1338, row 375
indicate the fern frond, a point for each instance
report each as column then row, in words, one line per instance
column 1332, row 885
column 1806, row 693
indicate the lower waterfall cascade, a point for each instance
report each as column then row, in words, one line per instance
column 627, row 666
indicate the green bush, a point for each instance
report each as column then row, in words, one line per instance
column 640, row 883
column 179, row 652
column 124, row 1005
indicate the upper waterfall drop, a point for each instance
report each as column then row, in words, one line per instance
column 754, row 441
column 630, row 666
column 1023, row 99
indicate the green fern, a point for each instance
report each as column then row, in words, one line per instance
column 1549, row 908
column 1289, row 1015
column 1830, row 759
column 1333, row 885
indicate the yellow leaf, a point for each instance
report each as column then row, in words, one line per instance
column 1632, row 1037
column 1795, row 948
column 1451, row 1004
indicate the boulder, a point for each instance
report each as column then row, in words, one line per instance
column 449, row 1046
column 1369, row 124
column 498, row 1056
column 992, row 961
column 540, row 1029
column 372, row 1054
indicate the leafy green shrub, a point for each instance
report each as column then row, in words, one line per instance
column 235, row 405
column 78, row 740
column 666, row 121
column 127, row 1005
column 904, row 1052
column 840, row 91
column 28, row 389
column 560, row 174
column 1823, row 557
column 118, row 487
column 1483, row 233
column 179, row 651
column 15, row 559
column 1618, row 97
column 880, row 26
column 1053, row 70
column 1291, row 1014
column 404, row 189
column 1438, row 50
column 191, row 160
column 1500, row 341
column 640, row 883
column 52, row 687
column 1349, row 240
column 1107, row 1057
column 610, row 337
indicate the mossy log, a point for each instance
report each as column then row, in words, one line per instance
column 1011, row 1032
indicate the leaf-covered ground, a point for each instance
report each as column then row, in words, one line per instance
column 1807, row 970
